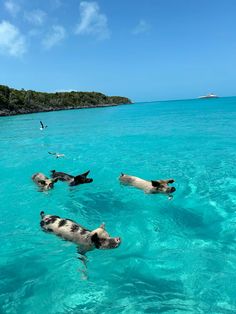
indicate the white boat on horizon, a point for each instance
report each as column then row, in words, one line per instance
column 211, row 95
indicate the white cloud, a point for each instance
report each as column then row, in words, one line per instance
column 12, row 7
column 92, row 21
column 142, row 27
column 53, row 38
column 35, row 17
column 12, row 42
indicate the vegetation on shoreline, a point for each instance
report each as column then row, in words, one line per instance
column 13, row 101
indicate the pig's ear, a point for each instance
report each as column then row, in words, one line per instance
column 85, row 174
column 95, row 240
column 102, row 226
column 42, row 182
column 156, row 184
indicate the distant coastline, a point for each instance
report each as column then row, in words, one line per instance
column 15, row 102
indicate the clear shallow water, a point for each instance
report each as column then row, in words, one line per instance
column 177, row 256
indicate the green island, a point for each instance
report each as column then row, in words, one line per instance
column 13, row 101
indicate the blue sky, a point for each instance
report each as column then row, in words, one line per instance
column 143, row 49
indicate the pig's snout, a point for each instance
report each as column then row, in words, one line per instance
column 117, row 241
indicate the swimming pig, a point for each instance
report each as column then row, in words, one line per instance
column 152, row 187
column 72, row 180
column 43, row 182
column 86, row 240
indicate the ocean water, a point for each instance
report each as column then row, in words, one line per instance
column 176, row 256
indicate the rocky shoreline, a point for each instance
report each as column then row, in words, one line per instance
column 7, row 113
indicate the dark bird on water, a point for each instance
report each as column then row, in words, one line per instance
column 43, row 126
column 57, row 155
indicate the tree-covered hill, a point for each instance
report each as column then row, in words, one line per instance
column 13, row 101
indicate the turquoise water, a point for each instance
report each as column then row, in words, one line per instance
column 176, row 256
